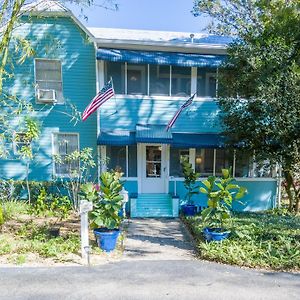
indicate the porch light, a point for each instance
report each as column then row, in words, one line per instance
column 198, row 160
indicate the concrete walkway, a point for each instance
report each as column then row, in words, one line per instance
column 157, row 239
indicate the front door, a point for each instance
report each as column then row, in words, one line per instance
column 153, row 168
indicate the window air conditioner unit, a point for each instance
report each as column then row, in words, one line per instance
column 46, row 95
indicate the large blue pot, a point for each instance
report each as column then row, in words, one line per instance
column 215, row 234
column 189, row 209
column 106, row 238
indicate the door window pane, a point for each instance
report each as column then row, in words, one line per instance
column 116, row 158
column 181, row 81
column 176, row 156
column 204, row 163
column 159, row 80
column 137, row 79
column 153, row 161
column 206, row 83
column 224, row 160
column 116, row 71
column 132, row 161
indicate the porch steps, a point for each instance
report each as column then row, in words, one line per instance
column 152, row 206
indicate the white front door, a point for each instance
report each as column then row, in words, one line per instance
column 153, row 169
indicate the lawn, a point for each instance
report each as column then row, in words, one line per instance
column 26, row 238
column 258, row 240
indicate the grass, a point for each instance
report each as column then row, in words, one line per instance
column 25, row 237
column 257, row 240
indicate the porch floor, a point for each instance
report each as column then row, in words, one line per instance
column 157, row 239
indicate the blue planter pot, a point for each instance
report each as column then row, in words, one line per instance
column 214, row 234
column 189, row 209
column 106, row 238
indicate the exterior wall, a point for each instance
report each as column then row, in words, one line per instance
column 125, row 113
column 56, row 38
column 261, row 194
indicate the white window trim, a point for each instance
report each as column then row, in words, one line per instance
column 35, row 81
column 53, row 150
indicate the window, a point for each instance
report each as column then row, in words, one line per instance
column 204, row 162
column 48, row 79
column 63, row 145
column 122, row 158
column 116, row 71
column 224, row 160
column 20, row 140
column 176, row 156
column 159, row 80
column 137, row 79
column 242, row 164
column 206, row 83
column 181, row 81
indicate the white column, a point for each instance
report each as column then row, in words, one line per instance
column 194, row 81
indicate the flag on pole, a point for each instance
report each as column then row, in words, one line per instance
column 175, row 117
column 105, row 94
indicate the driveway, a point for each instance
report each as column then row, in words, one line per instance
column 145, row 279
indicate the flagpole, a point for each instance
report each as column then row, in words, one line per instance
column 112, row 84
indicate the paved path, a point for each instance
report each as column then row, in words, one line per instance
column 138, row 280
column 157, row 239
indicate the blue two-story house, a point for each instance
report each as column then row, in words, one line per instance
column 153, row 74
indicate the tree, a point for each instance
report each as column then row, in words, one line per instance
column 260, row 82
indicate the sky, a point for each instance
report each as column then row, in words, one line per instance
column 165, row 15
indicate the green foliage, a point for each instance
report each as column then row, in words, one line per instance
column 13, row 209
column 190, row 178
column 260, row 83
column 221, row 192
column 108, row 203
column 1, row 216
column 263, row 240
column 50, row 204
column 79, row 168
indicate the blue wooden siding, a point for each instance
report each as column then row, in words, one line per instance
column 56, row 38
column 122, row 113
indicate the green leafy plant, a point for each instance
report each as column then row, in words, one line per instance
column 107, row 203
column 40, row 206
column 221, row 193
column 79, row 165
column 190, row 178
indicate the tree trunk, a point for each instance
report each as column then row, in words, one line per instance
column 288, row 187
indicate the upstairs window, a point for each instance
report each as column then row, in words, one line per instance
column 159, row 80
column 48, row 79
column 65, row 144
column 206, row 83
column 116, row 71
column 181, row 81
column 137, row 79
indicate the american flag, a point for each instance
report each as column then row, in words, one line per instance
column 105, row 94
column 175, row 117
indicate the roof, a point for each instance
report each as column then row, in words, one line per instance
column 158, row 36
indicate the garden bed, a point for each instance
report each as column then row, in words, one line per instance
column 26, row 240
column 258, row 240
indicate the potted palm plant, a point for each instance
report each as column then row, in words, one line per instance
column 107, row 202
column 190, row 177
column 221, row 193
